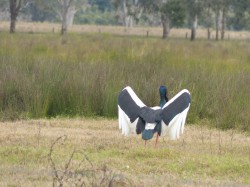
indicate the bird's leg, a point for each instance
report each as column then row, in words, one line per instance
column 145, row 143
column 156, row 140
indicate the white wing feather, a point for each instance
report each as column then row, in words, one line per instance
column 176, row 125
column 124, row 122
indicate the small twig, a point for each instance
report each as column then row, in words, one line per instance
column 53, row 165
column 104, row 169
column 202, row 136
column 220, row 140
column 232, row 136
column 69, row 161
column 211, row 142
column 86, row 177
column 83, row 159
column 39, row 134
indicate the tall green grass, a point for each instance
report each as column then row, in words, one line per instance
column 41, row 77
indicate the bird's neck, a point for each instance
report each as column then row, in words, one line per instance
column 162, row 102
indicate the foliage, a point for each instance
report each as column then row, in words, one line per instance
column 175, row 11
column 194, row 8
column 239, row 18
column 105, row 12
column 41, row 12
column 172, row 9
column 103, row 5
column 93, row 15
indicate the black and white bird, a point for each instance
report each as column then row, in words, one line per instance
column 168, row 119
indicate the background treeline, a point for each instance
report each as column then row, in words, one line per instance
column 219, row 15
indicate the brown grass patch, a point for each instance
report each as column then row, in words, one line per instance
column 201, row 157
column 37, row 27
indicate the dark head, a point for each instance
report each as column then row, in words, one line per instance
column 163, row 95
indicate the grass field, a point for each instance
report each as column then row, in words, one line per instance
column 201, row 157
column 60, row 81
column 44, row 75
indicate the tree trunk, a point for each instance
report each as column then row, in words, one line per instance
column 223, row 23
column 71, row 15
column 129, row 21
column 15, row 6
column 64, row 25
column 12, row 25
column 64, row 17
column 125, row 13
column 166, row 27
column 217, row 24
column 66, row 4
column 194, row 26
column 208, row 33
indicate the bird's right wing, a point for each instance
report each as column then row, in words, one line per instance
column 174, row 114
column 129, row 106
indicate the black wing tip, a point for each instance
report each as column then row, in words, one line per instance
column 186, row 93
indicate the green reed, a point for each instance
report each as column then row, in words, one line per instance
column 42, row 77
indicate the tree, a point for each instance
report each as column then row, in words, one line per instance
column 128, row 11
column 4, row 10
column 66, row 14
column 194, row 10
column 172, row 12
column 65, row 9
column 216, row 6
column 103, row 5
column 40, row 11
column 240, row 15
column 207, row 17
column 15, row 6
column 221, row 8
column 225, row 5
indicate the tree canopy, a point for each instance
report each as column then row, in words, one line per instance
column 211, row 14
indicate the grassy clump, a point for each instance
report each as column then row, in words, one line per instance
column 41, row 77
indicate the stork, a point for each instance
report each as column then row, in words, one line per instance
column 168, row 119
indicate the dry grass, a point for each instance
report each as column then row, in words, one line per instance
column 37, row 27
column 202, row 157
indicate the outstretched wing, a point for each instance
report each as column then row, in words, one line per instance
column 129, row 106
column 174, row 114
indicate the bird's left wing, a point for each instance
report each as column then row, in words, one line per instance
column 129, row 106
column 174, row 114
